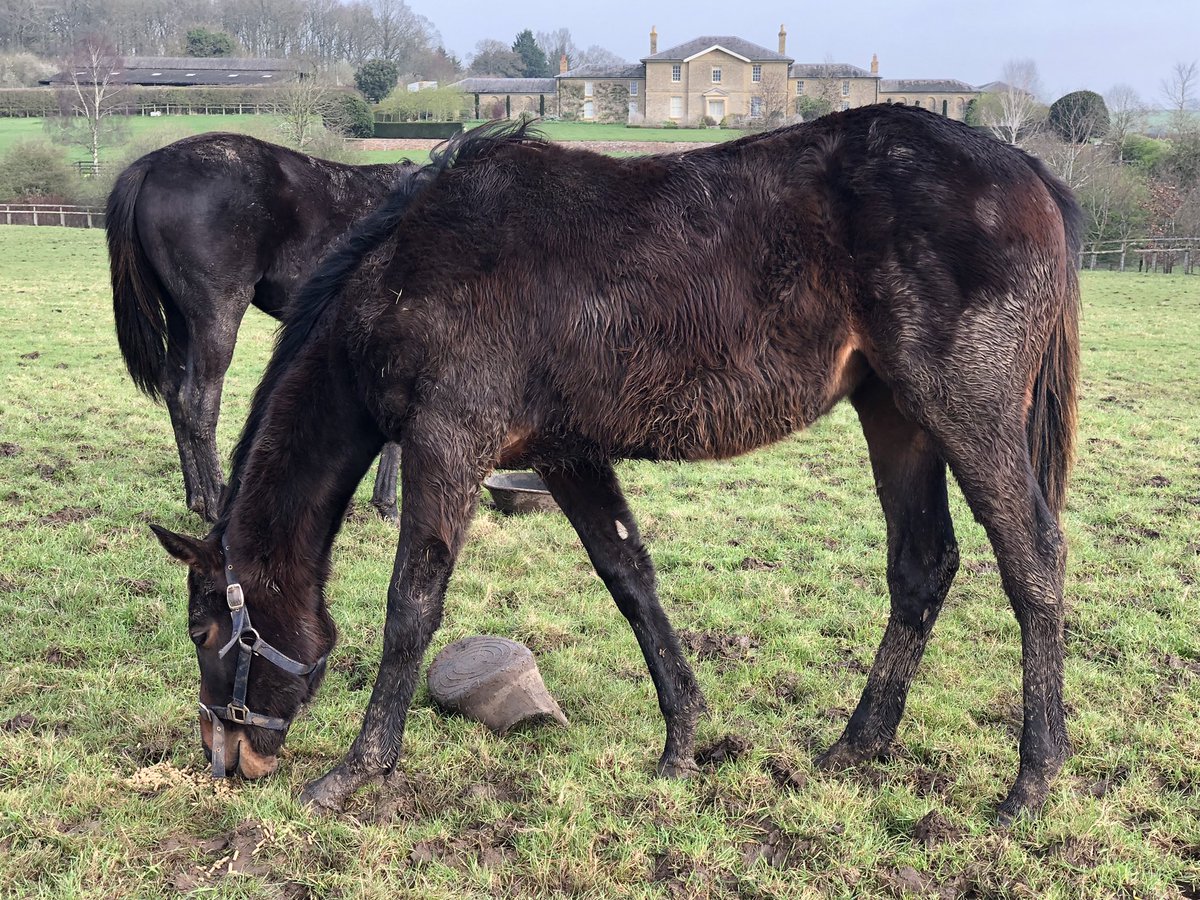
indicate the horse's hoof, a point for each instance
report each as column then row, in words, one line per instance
column 841, row 756
column 1024, row 801
column 388, row 514
column 323, row 798
column 678, row 769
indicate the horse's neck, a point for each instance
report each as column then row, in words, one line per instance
column 313, row 443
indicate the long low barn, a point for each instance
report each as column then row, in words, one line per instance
column 186, row 71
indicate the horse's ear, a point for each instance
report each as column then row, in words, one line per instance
column 186, row 549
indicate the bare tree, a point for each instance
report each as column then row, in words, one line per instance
column 596, row 55
column 89, row 95
column 1126, row 115
column 557, row 44
column 1180, row 92
column 1011, row 112
column 301, row 106
column 773, row 89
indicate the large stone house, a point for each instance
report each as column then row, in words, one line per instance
column 716, row 79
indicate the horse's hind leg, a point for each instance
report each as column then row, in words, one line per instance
column 998, row 481
column 384, row 496
column 922, row 558
column 440, row 482
column 592, row 500
column 210, row 351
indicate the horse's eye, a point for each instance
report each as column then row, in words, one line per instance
column 199, row 636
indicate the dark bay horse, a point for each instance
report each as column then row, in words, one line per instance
column 523, row 304
column 197, row 232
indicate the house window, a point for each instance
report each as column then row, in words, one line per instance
column 916, row 103
column 676, row 107
column 945, row 108
column 756, row 73
column 845, row 105
column 676, row 73
column 587, row 89
column 755, row 107
column 799, row 87
column 633, row 89
column 589, row 109
column 846, row 88
column 716, row 75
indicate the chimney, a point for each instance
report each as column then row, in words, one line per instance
column 653, row 40
column 875, row 64
column 562, row 65
column 782, row 41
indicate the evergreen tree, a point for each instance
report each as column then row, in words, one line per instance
column 201, row 42
column 532, row 56
column 376, row 78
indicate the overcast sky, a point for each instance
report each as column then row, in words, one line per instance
column 1075, row 44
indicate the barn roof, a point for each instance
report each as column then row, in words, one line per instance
column 618, row 70
column 828, row 70
column 924, row 86
column 506, row 85
column 184, row 70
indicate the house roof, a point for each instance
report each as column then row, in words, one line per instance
column 185, row 70
column 620, row 70
column 828, row 70
column 506, row 85
column 924, row 86
column 735, row 45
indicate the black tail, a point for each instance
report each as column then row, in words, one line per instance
column 139, row 300
column 1053, row 412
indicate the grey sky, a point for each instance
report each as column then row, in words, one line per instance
column 1075, row 44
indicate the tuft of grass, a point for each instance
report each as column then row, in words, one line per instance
column 104, row 791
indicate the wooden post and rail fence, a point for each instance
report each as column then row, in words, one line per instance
column 1133, row 254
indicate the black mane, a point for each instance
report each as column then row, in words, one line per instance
column 326, row 283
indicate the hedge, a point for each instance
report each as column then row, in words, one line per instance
column 438, row 130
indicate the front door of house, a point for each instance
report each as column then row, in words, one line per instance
column 716, row 108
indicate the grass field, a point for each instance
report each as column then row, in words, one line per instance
column 142, row 128
column 774, row 566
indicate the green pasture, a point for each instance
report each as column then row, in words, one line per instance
column 144, row 132
column 773, row 565
column 142, row 128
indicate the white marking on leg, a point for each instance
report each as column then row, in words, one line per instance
column 622, row 531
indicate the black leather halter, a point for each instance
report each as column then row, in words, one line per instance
column 250, row 644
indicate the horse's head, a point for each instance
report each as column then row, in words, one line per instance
column 254, row 676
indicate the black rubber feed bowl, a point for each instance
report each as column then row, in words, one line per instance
column 517, row 493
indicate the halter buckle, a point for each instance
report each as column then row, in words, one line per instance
column 239, row 715
column 234, row 596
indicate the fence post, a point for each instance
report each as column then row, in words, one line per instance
column 62, row 217
column 1124, row 248
column 1187, row 261
column 35, row 221
column 1154, row 261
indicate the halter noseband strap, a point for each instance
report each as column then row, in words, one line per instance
column 250, row 644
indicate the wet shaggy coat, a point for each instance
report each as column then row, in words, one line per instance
column 200, row 230
column 524, row 304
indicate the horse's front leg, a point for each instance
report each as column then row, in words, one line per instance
column 440, row 491
column 591, row 498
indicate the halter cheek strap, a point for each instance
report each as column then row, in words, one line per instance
column 250, row 644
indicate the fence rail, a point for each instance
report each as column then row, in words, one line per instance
column 1143, row 254
column 51, row 214
column 156, row 109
